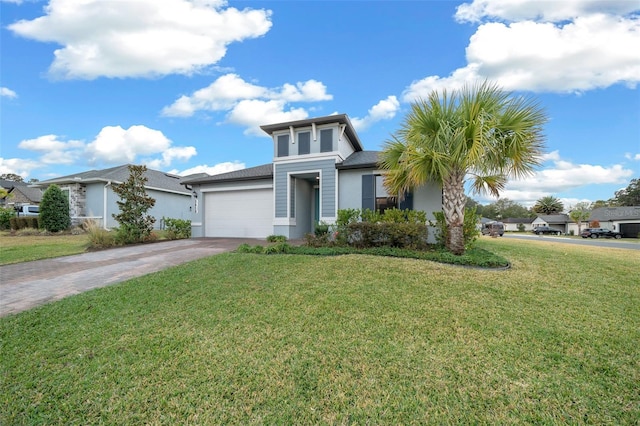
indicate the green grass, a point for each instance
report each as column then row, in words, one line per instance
column 291, row 339
column 25, row 248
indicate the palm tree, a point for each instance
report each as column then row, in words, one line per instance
column 479, row 132
column 579, row 214
column 548, row 205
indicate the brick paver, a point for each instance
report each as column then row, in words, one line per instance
column 29, row 284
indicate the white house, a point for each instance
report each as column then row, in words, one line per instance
column 319, row 166
column 622, row 219
column 91, row 195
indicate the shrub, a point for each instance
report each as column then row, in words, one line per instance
column 54, row 210
column 177, row 228
column 98, row 236
column 277, row 248
column 321, row 229
column 521, row 227
column 405, row 235
column 6, row 213
column 22, row 222
column 276, row 238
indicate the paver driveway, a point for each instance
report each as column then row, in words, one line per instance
column 29, row 284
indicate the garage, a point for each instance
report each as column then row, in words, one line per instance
column 239, row 214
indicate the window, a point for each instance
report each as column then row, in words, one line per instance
column 383, row 200
column 375, row 196
column 292, row 198
column 304, row 143
column 283, row 145
column 326, row 140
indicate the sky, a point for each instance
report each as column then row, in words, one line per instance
column 182, row 86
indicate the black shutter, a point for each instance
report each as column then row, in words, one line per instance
column 368, row 192
column 407, row 202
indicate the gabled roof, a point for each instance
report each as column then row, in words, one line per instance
column 328, row 119
column 32, row 194
column 155, row 178
column 264, row 171
column 29, row 192
column 518, row 220
column 555, row 218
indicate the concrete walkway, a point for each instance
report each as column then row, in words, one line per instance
column 29, row 284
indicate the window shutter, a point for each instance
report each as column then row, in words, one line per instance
column 407, row 202
column 368, row 192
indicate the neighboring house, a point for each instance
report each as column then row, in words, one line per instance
column 561, row 222
column 20, row 193
column 622, row 219
column 512, row 223
column 91, row 195
column 319, row 166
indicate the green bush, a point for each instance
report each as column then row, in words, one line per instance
column 22, row 222
column 54, row 210
column 278, row 248
column 6, row 213
column 276, row 238
column 321, row 229
column 246, row 248
column 390, row 234
column 177, row 228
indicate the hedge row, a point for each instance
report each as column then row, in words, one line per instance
column 22, row 222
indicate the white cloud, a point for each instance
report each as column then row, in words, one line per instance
column 8, row 93
column 117, row 145
column 591, row 50
column 216, row 169
column 183, row 153
column 112, row 145
column 386, row 109
column 140, row 38
column 254, row 113
column 248, row 104
column 18, row 166
column 630, row 156
column 53, row 150
column 520, row 10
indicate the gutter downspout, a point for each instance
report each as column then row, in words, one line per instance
column 104, row 217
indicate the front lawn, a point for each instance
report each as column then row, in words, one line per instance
column 293, row 339
column 16, row 249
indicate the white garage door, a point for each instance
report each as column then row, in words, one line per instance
column 239, row 214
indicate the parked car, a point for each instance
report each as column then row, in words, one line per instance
column 546, row 230
column 27, row 210
column 600, row 232
column 493, row 228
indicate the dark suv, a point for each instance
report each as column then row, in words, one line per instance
column 600, row 232
column 546, row 230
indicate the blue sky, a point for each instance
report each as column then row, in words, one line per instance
column 182, row 86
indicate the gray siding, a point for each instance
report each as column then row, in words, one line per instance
column 328, row 184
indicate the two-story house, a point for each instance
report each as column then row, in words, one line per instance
column 319, row 166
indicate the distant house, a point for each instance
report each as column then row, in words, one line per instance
column 91, row 195
column 20, row 193
column 561, row 222
column 622, row 219
column 513, row 223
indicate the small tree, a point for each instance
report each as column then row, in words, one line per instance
column 54, row 210
column 135, row 224
column 579, row 214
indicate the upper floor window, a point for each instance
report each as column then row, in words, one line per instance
column 326, row 140
column 283, row 146
column 304, row 143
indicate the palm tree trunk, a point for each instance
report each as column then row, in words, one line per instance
column 453, row 201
